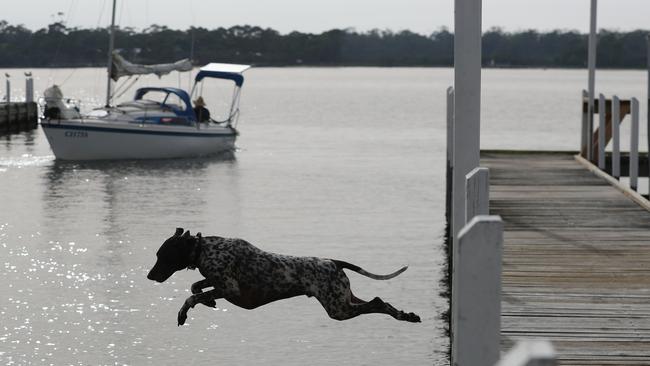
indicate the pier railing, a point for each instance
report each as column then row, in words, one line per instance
column 617, row 164
column 474, row 264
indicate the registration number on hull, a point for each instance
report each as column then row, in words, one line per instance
column 76, row 134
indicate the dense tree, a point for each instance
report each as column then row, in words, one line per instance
column 59, row 46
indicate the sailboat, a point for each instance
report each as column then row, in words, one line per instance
column 158, row 123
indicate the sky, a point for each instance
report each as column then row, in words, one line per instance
column 315, row 16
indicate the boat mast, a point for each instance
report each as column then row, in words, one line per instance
column 111, row 41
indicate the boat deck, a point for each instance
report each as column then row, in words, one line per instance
column 576, row 262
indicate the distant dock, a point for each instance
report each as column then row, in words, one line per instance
column 576, row 259
column 17, row 117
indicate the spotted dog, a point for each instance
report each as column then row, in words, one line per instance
column 249, row 277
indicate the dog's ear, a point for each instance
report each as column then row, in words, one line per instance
column 199, row 236
column 187, row 234
column 179, row 231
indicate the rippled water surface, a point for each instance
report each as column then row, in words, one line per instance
column 345, row 163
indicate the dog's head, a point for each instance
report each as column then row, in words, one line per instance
column 173, row 255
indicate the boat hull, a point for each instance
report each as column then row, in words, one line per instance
column 72, row 140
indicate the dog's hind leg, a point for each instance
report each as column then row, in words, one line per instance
column 347, row 308
column 341, row 304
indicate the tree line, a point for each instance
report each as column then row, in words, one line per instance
column 60, row 46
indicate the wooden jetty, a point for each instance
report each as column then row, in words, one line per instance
column 552, row 247
column 16, row 117
column 576, row 259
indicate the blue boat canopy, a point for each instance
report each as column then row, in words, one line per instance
column 223, row 71
column 187, row 112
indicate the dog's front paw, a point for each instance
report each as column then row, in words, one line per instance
column 182, row 316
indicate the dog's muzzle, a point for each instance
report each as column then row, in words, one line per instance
column 159, row 274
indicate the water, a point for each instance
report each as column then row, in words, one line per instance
column 345, row 163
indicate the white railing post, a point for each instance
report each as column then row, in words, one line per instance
column 616, row 140
column 467, row 100
column 584, row 134
column 477, row 188
column 634, row 145
column 530, row 353
column 591, row 64
column 601, row 131
column 476, row 302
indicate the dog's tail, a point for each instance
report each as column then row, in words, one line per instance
column 361, row 271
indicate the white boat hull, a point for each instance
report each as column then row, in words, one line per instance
column 78, row 140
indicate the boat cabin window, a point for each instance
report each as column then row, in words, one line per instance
column 169, row 100
column 155, row 96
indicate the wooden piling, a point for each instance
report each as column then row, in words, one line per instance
column 467, row 106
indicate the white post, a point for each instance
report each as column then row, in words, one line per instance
column 467, row 126
column 634, row 145
column 601, row 131
column 584, row 131
column 8, row 93
column 591, row 63
column 467, row 96
column 476, row 303
column 478, row 197
column 29, row 89
column 616, row 145
column 530, row 353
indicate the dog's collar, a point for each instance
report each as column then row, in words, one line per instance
column 196, row 252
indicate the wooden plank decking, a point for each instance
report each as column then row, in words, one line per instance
column 576, row 262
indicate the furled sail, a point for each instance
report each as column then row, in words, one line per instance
column 122, row 67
